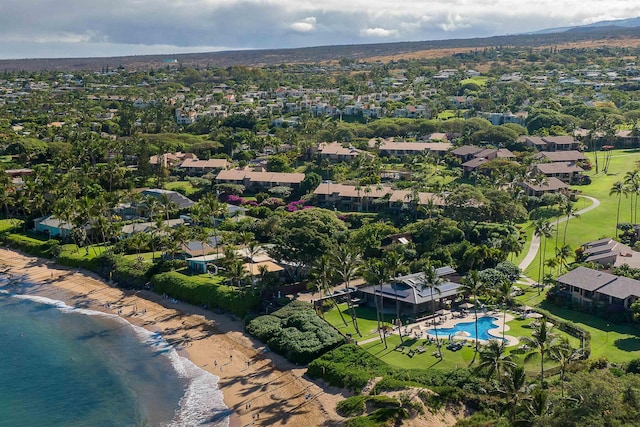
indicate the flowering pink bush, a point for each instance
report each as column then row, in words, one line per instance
column 295, row 206
column 235, row 200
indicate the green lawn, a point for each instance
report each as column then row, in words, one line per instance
column 367, row 322
column 9, row 224
column 184, row 187
column 618, row 343
column 452, row 359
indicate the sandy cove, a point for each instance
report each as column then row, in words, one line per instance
column 259, row 388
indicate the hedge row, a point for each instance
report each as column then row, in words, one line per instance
column 296, row 332
column 572, row 329
column 32, row 246
column 205, row 291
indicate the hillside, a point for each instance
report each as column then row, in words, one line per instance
column 590, row 37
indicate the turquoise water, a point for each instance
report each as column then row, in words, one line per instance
column 61, row 366
column 484, row 324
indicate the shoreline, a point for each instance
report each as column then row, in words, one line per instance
column 258, row 388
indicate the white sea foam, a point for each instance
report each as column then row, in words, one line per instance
column 202, row 403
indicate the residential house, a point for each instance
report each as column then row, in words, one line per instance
column 551, row 143
column 565, row 171
column 53, row 227
column 551, row 185
column 389, row 147
column 201, row 167
column 353, row 198
column 411, row 294
column 610, row 253
column 589, row 287
column 182, row 202
column 260, row 180
column 145, row 227
column 484, row 156
column 570, row 156
column 337, row 151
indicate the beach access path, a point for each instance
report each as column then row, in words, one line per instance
column 259, row 388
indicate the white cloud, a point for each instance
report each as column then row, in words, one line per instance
column 246, row 24
column 304, row 26
column 378, row 32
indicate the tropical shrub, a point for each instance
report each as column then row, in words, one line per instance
column 296, row 332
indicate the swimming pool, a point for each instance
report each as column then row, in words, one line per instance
column 485, row 323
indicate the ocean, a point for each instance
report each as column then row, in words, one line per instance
column 63, row 366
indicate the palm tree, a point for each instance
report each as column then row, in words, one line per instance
column 539, row 342
column 376, row 274
column 394, row 262
column 347, row 263
column 494, row 359
column 632, row 181
column 543, row 230
column 430, row 280
column 168, row 205
column 237, row 272
column 504, row 289
column 322, row 274
column 561, row 351
column 472, row 284
column 570, row 211
column 513, row 386
column 563, row 255
column 618, row 189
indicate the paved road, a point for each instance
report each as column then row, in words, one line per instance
column 535, row 240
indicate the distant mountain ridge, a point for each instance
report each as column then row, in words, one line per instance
column 320, row 54
column 615, row 23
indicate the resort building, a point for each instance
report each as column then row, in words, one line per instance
column 610, row 253
column 182, row 202
column 389, row 147
column 589, row 287
column 412, row 295
column 551, row 185
column 336, row 151
column 260, row 180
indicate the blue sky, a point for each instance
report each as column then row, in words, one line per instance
column 76, row 28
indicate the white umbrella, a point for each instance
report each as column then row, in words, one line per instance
column 462, row 334
column 466, row 305
column 535, row 315
column 442, row 311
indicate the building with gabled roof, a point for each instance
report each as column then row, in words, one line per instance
column 411, row 294
column 589, row 287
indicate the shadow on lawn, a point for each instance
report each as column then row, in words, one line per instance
column 628, row 344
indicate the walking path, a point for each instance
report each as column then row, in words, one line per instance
column 535, row 240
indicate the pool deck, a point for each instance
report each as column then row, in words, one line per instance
column 419, row 329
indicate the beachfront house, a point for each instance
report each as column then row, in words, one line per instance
column 410, row 293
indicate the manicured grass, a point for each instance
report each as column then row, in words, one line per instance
column 9, row 224
column 618, row 343
column 479, row 80
column 184, row 187
column 367, row 322
column 146, row 256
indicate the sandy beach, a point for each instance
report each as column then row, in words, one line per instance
column 260, row 388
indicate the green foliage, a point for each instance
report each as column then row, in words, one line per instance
column 31, row 245
column 203, row 290
column 74, row 257
column 296, row 332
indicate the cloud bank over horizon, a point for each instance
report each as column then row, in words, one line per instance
column 73, row 28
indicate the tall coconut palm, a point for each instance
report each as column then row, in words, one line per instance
column 561, row 351
column 394, row 262
column 570, row 211
column 632, row 182
column 168, row 206
column 543, row 230
column 494, row 359
column 513, row 385
column 347, row 262
column 323, row 276
column 618, row 189
column 503, row 290
column 430, row 280
column 472, row 285
column 376, row 274
column 539, row 342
